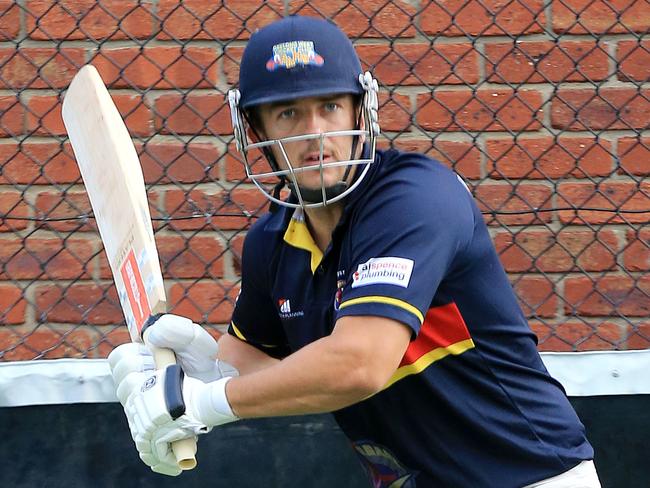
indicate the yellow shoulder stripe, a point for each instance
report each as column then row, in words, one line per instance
column 388, row 300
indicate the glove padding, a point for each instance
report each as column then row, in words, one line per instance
column 142, row 393
column 196, row 350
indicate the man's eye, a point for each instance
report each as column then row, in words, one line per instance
column 331, row 106
column 287, row 114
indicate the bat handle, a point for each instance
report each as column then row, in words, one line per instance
column 184, row 449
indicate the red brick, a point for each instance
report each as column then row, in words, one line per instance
column 417, row 64
column 614, row 197
column 487, row 110
column 12, row 305
column 12, row 116
column 88, row 19
column 536, row 296
column 9, row 20
column 192, row 114
column 135, row 113
column 633, row 59
column 44, row 116
column 39, row 67
column 191, row 257
column 567, row 250
column 204, row 301
column 40, row 258
column 547, row 341
column 226, row 210
column 462, row 156
column 78, row 303
column 234, row 163
column 68, row 206
column 13, row 205
column 545, row 61
column 244, row 201
column 158, row 67
column 578, row 336
column 639, row 338
column 363, row 18
column 231, row 60
column 608, row 108
column 394, row 112
column 235, row 170
column 482, row 17
column 205, row 19
column 548, row 157
column 236, row 247
column 506, row 198
column 37, row 163
column 109, row 340
column 608, row 295
column 600, row 16
column 634, row 155
column 45, row 342
column 158, row 218
column 178, row 162
column 636, row 256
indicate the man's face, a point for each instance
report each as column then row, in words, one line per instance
column 311, row 115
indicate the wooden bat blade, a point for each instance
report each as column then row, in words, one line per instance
column 112, row 174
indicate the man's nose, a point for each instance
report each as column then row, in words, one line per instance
column 314, row 122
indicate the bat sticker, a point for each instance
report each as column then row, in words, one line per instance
column 135, row 290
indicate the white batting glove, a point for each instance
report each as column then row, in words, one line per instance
column 132, row 357
column 157, row 417
column 196, row 350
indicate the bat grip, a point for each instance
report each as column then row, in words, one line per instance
column 184, row 449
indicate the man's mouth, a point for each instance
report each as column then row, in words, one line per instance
column 313, row 158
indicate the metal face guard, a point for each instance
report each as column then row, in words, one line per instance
column 328, row 195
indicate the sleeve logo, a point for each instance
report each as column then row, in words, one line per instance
column 383, row 271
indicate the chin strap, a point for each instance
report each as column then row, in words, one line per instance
column 276, row 194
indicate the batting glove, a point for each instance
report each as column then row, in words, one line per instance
column 196, row 350
column 164, row 406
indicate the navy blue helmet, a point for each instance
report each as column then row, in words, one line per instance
column 299, row 57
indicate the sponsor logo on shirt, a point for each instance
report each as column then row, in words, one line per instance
column 384, row 271
column 340, row 284
column 385, row 470
column 285, row 309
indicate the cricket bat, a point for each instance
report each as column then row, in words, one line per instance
column 112, row 174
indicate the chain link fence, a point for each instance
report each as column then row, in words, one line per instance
column 543, row 106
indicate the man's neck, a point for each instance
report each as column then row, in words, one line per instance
column 322, row 221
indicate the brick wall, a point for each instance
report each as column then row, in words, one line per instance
column 543, row 107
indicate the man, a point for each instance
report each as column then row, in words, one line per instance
column 373, row 291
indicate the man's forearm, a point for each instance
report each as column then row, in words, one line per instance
column 352, row 363
column 318, row 378
column 246, row 358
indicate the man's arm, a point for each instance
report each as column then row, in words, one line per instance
column 246, row 358
column 353, row 363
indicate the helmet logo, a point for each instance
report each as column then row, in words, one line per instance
column 294, row 53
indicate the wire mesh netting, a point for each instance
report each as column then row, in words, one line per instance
column 543, row 106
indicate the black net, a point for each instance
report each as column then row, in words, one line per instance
column 542, row 106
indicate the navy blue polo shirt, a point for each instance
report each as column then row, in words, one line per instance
column 471, row 404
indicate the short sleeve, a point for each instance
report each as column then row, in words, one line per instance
column 411, row 228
